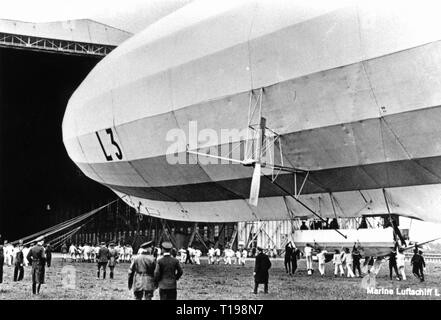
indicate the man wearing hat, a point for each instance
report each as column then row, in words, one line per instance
column 141, row 273
column 37, row 258
column 262, row 265
column 103, row 258
column 113, row 258
column 167, row 273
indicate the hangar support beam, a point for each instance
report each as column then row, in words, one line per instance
column 53, row 45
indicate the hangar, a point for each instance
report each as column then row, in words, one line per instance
column 41, row 65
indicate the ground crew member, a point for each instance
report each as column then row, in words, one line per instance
column 261, row 267
column 63, row 252
column 418, row 265
column 103, row 258
column 400, row 263
column 393, row 264
column 217, row 253
column 211, row 253
column 338, row 263
column 356, row 257
column 48, row 254
column 295, row 252
column 142, row 273
column 244, row 257
column 288, row 257
column 37, row 258
column 349, row 262
column 167, row 272
column 308, row 256
column 113, row 258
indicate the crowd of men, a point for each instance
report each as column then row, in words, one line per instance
column 347, row 262
column 89, row 252
column 159, row 268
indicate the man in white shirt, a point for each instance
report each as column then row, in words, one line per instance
column 73, row 252
column 218, row 255
column 244, row 257
column 238, row 255
column 400, row 263
column 197, row 255
column 321, row 256
column 8, row 252
column 211, row 253
column 183, row 253
column 25, row 254
column 308, row 256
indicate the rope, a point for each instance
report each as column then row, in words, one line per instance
column 302, row 204
column 64, row 225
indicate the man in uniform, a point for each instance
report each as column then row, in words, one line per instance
column 19, row 262
column 142, row 273
column 37, row 258
column 103, row 258
column 113, row 258
column 167, row 273
column 262, row 265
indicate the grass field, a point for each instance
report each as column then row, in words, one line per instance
column 204, row 282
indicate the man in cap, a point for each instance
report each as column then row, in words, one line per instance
column 113, row 258
column 37, row 258
column 262, row 265
column 142, row 273
column 103, row 258
column 167, row 273
column 19, row 262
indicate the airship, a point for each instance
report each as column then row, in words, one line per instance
column 228, row 111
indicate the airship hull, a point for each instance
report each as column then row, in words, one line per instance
column 353, row 92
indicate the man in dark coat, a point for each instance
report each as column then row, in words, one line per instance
column 356, row 257
column 103, row 259
column 167, row 272
column 418, row 265
column 393, row 264
column 37, row 258
column 294, row 255
column 288, row 257
column 142, row 273
column 113, row 258
column 262, row 265
column 48, row 255
column 18, row 263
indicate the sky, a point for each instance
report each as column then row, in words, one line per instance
column 129, row 15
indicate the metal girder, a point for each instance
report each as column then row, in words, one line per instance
column 18, row 41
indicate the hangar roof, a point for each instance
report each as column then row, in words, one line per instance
column 83, row 30
column 71, row 36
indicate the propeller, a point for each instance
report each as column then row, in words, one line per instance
column 255, row 185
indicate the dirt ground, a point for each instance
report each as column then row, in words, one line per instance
column 222, row 282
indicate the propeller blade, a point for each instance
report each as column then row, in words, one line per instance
column 255, row 185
